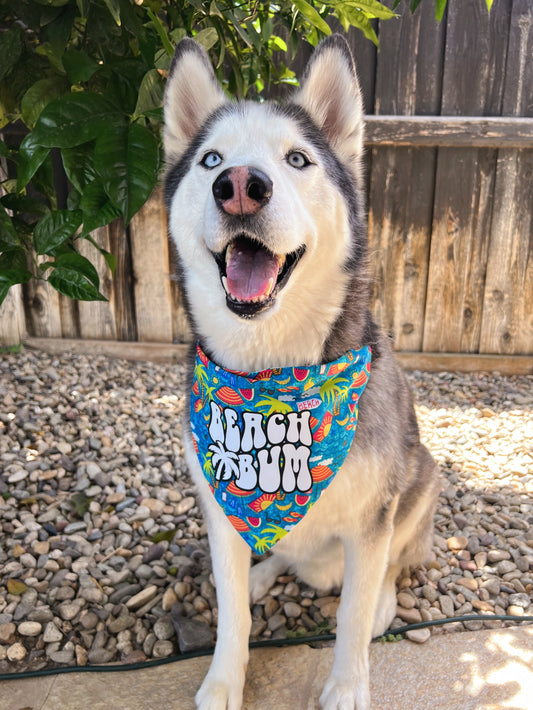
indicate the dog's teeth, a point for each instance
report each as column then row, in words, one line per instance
column 228, row 252
column 225, row 284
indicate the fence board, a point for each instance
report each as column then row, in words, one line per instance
column 70, row 317
column 42, row 308
column 181, row 329
column 149, row 247
column 450, row 208
column 507, row 324
column 472, row 85
column 449, row 131
column 12, row 321
column 402, row 179
column 97, row 318
column 123, row 300
column 171, row 352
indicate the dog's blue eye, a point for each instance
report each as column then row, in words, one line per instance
column 298, row 160
column 211, row 159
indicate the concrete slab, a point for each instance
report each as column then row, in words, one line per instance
column 479, row 670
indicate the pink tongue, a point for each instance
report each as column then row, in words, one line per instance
column 249, row 271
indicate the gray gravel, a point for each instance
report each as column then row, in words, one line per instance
column 103, row 549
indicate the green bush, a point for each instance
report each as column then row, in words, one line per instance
column 81, row 82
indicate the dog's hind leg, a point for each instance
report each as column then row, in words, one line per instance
column 413, row 534
column 263, row 575
column 365, row 564
column 222, row 688
column 386, row 607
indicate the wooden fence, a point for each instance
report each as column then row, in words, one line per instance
column 450, row 210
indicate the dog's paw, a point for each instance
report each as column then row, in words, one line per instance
column 340, row 695
column 263, row 576
column 215, row 694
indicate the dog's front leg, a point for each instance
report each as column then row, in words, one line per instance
column 223, row 686
column 365, row 562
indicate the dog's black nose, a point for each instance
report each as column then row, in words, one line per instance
column 242, row 190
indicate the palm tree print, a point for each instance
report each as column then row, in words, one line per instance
column 271, row 405
column 226, row 463
column 264, row 542
column 332, row 390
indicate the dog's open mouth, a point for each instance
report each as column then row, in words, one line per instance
column 252, row 275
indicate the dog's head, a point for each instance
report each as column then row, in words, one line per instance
column 263, row 199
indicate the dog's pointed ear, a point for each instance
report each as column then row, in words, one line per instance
column 192, row 93
column 331, row 95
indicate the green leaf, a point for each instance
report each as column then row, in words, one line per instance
column 167, row 535
column 4, row 150
column 76, row 261
column 78, row 164
column 13, row 260
column 440, row 6
column 309, row 12
column 20, row 203
column 97, row 208
column 39, row 96
column 357, row 18
column 126, row 159
column 79, row 503
column 54, row 229
column 207, row 38
column 277, row 43
column 371, row 8
column 8, row 234
column 161, row 31
column 16, row 587
column 214, row 10
column 114, row 8
column 73, row 283
column 53, row 3
column 12, row 271
column 31, row 156
column 110, row 260
column 150, row 93
column 83, row 7
column 489, row 4
column 79, row 66
column 236, row 26
column 58, row 32
column 10, row 50
column 74, row 119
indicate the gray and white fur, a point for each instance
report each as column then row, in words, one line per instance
column 306, row 207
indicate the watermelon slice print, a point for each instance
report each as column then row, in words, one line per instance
column 229, row 396
column 321, row 473
column 202, row 356
column 239, row 524
column 236, row 491
column 360, row 379
column 300, row 373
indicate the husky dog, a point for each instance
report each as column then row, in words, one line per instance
column 266, row 213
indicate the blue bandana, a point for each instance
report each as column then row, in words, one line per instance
column 270, row 442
